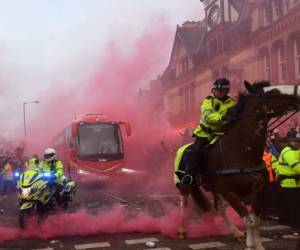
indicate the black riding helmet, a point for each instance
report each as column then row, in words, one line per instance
column 221, row 84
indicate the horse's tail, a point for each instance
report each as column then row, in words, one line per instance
column 200, row 199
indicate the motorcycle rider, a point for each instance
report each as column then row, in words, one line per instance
column 55, row 167
column 34, row 163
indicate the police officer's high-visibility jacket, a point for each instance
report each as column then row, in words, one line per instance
column 289, row 166
column 270, row 161
column 34, row 164
column 56, row 167
column 212, row 112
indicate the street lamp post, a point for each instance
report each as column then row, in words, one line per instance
column 24, row 115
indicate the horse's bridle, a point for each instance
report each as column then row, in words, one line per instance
column 270, row 113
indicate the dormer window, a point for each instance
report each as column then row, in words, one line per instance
column 184, row 65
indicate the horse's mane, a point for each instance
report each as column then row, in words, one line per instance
column 237, row 109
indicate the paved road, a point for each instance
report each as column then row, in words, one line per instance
column 94, row 198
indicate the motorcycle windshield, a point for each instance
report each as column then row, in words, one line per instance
column 99, row 141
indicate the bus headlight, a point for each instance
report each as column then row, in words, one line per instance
column 127, row 170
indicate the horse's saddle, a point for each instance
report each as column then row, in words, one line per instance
column 183, row 165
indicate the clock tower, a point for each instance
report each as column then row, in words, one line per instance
column 214, row 13
column 221, row 11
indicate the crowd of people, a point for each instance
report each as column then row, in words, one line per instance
column 282, row 158
column 11, row 162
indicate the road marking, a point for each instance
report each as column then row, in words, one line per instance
column 92, row 245
column 264, row 239
column 48, row 248
column 161, row 248
column 207, row 245
column 277, row 227
column 140, row 241
column 116, row 198
column 290, row 236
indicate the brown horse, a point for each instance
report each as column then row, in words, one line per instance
column 234, row 163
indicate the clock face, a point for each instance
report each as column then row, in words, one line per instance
column 214, row 16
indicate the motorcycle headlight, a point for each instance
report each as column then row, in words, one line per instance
column 25, row 192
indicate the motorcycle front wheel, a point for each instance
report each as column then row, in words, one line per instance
column 29, row 218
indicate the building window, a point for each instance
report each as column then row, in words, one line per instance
column 281, row 62
column 184, row 65
column 297, row 57
column 189, row 98
column 266, row 66
column 267, row 14
column 288, row 4
column 277, row 9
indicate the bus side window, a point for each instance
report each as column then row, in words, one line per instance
column 69, row 137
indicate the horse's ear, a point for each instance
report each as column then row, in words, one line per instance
column 249, row 87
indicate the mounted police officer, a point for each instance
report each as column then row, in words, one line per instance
column 213, row 110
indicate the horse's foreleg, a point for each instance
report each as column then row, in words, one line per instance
column 259, row 245
column 181, row 233
column 257, row 204
column 249, row 219
column 237, row 234
column 251, row 232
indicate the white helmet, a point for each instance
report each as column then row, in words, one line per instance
column 49, row 154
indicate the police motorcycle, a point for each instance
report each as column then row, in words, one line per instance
column 39, row 195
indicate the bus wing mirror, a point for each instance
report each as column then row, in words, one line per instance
column 127, row 127
column 73, row 154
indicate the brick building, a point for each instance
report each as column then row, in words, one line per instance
column 238, row 39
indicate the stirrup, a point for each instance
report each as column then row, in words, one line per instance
column 189, row 178
column 180, row 174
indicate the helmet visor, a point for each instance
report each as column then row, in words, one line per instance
column 48, row 156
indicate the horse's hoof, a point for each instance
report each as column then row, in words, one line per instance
column 240, row 237
column 181, row 235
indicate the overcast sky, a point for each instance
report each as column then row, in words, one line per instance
column 59, row 42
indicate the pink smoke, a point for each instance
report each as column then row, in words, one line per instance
column 116, row 221
column 111, row 90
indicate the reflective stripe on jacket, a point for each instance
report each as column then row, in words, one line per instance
column 212, row 111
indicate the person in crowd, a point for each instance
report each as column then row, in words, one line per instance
column 7, row 174
column 288, row 175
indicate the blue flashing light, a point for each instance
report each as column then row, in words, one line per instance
column 16, row 174
column 48, row 175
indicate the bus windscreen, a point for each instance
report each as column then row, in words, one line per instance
column 99, row 141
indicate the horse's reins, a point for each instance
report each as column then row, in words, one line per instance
column 261, row 165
